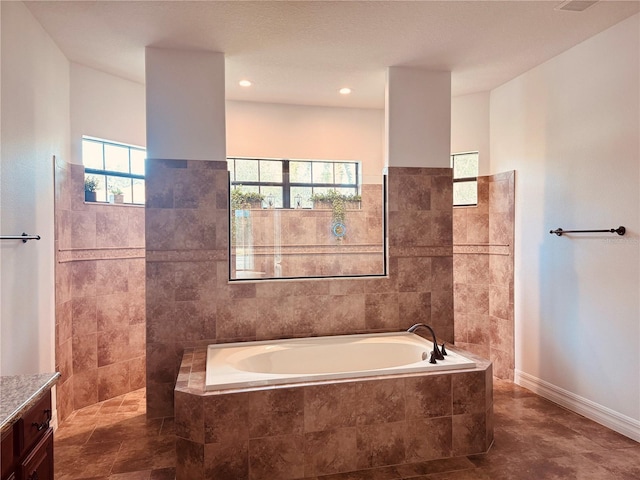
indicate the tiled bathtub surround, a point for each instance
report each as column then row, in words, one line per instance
column 190, row 301
column 483, row 273
column 322, row 428
column 100, row 312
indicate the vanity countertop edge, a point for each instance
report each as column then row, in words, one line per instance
column 18, row 393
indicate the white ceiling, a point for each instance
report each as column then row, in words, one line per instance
column 303, row 51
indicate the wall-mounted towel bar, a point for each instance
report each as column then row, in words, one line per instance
column 24, row 237
column 619, row 231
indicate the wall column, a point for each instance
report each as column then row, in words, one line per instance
column 417, row 118
column 185, row 105
column 186, row 224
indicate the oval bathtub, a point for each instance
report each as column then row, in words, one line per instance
column 273, row 362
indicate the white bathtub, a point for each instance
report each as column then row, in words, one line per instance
column 252, row 364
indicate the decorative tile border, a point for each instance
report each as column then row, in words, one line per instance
column 445, row 251
column 482, row 249
column 319, row 249
column 82, row 254
column 186, row 255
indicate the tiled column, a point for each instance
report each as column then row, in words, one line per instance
column 418, row 139
column 100, row 331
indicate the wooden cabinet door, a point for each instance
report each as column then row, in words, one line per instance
column 33, row 424
column 7, row 455
column 38, row 465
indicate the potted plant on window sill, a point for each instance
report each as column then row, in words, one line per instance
column 244, row 200
column 337, row 202
column 118, row 196
column 91, row 184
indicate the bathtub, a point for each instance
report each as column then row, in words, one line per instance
column 274, row 362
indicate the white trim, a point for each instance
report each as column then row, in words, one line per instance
column 623, row 424
column 54, row 413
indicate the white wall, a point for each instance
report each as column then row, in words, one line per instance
column 185, row 104
column 35, row 126
column 417, row 118
column 570, row 128
column 306, row 132
column 470, row 127
column 105, row 106
column 110, row 107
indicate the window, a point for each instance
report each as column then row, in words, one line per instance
column 465, row 179
column 291, row 183
column 304, row 219
column 118, row 167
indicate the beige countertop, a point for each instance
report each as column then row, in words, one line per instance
column 18, row 393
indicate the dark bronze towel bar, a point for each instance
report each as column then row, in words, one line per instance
column 24, row 237
column 619, row 231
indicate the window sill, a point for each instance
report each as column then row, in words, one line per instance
column 115, row 204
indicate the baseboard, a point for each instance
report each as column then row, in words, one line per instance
column 627, row 426
column 54, row 420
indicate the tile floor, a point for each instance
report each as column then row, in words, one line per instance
column 113, row 440
column 534, row 439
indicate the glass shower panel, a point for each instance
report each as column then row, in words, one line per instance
column 336, row 239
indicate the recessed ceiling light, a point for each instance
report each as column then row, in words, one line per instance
column 245, row 83
column 345, row 91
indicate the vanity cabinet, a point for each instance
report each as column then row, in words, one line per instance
column 27, row 438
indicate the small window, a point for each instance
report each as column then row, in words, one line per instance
column 465, row 179
column 118, row 169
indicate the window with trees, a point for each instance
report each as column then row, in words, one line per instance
column 117, row 168
column 465, row 179
column 304, row 219
column 293, row 183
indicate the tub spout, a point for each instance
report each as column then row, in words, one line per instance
column 436, row 354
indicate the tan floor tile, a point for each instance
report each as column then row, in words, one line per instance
column 74, row 433
column 560, row 468
column 146, row 453
column 125, row 431
column 84, row 461
column 163, row 474
column 435, row 466
column 168, row 426
column 598, row 433
column 89, row 411
column 624, row 463
column 142, row 475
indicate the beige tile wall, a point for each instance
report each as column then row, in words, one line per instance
column 100, row 310
column 190, row 302
column 483, row 273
